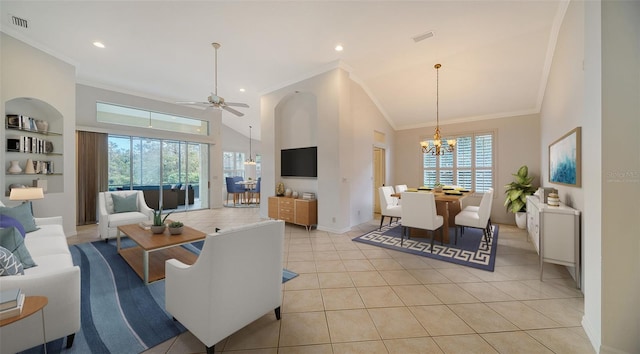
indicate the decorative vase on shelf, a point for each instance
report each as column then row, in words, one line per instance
column 14, row 168
column 29, row 169
column 42, row 125
column 280, row 189
column 294, row 194
column 287, row 192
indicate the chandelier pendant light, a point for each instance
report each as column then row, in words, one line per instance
column 250, row 161
column 437, row 148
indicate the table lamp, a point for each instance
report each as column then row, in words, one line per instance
column 26, row 194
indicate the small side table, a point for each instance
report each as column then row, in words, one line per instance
column 32, row 304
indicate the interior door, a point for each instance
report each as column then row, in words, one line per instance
column 379, row 175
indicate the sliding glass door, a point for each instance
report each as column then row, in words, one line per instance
column 172, row 174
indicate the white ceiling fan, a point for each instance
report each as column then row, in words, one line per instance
column 214, row 100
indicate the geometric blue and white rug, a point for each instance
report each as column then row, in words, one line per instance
column 470, row 251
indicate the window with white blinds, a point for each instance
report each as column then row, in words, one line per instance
column 471, row 165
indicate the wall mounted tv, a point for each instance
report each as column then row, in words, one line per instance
column 300, row 162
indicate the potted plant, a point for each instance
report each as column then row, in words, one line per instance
column 175, row 227
column 517, row 192
column 158, row 221
column 438, row 187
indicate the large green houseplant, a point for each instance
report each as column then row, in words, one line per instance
column 516, row 195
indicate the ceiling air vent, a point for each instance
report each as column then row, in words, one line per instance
column 20, row 22
column 423, row 36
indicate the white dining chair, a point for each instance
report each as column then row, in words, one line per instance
column 419, row 211
column 400, row 188
column 477, row 218
column 387, row 206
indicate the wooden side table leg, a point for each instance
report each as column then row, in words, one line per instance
column 44, row 334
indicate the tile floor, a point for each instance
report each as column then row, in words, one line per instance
column 356, row 298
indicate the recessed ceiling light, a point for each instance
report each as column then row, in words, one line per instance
column 98, row 44
column 242, row 90
column 339, row 48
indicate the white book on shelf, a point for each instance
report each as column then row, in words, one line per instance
column 9, row 298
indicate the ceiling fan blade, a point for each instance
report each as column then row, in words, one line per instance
column 194, row 103
column 234, row 104
column 231, row 110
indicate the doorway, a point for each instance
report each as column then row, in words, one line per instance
column 379, row 175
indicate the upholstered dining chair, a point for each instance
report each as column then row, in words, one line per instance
column 236, row 190
column 477, row 218
column 419, row 211
column 476, row 208
column 387, row 206
column 400, row 188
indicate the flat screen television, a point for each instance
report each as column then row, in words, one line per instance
column 300, row 162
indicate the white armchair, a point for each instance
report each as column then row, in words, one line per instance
column 236, row 279
column 109, row 220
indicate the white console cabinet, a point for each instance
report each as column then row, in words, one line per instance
column 555, row 232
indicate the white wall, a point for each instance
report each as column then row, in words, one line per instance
column 28, row 72
column 345, row 120
column 620, row 131
column 517, row 143
column 603, row 99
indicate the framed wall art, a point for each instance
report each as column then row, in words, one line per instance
column 565, row 159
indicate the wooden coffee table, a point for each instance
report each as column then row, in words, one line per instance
column 148, row 257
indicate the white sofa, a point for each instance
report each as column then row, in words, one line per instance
column 55, row 277
column 109, row 220
column 236, row 279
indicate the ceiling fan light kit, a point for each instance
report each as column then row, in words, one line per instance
column 437, row 148
column 214, row 100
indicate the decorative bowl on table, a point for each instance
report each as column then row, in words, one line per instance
column 157, row 229
column 175, row 227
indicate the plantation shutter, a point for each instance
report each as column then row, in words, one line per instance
column 484, row 162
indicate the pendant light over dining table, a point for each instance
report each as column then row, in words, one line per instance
column 250, row 161
column 437, row 148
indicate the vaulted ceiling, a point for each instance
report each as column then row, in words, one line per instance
column 495, row 55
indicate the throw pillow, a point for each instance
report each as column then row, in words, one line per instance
column 23, row 214
column 125, row 204
column 11, row 239
column 9, row 264
column 7, row 221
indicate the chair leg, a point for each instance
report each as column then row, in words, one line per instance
column 277, row 311
column 441, row 237
column 70, row 339
column 486, row 238
column 455, row 240
column 433, row 235
column 381, row 221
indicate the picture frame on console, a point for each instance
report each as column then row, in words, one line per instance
column 565, row 159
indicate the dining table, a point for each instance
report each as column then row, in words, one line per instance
column 447, row 205
column 249, row 186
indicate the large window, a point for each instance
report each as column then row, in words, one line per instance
column 471, row 165
column 134, row 117
column 233, row 165
column 145, row 163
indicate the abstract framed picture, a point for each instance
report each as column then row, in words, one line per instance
column 565, row 159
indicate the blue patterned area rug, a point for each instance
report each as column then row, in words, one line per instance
column 119, row 314
column 470, row 251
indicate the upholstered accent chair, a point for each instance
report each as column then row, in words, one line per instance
column 236, row 280
column 419, row 211
column 400, row 188
column 115, row 214
column 478, row 217
column 387, row 205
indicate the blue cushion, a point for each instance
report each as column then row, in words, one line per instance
column 125, row 204
column 9, row 264
column 11, row 239
column 7, row 221
column 23, row 214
